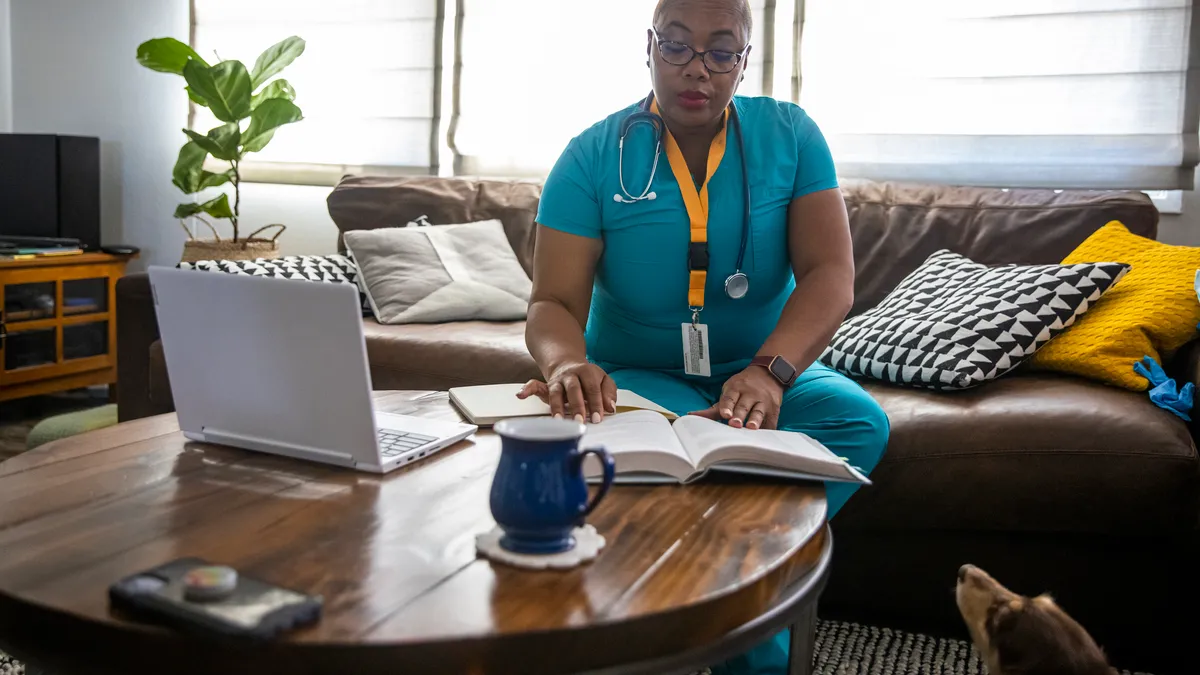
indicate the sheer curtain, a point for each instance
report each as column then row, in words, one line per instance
column 535, row 73
column 368, row 81
column 1052, row 93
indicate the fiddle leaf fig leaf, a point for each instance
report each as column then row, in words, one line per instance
column 187, row 210
column 196, row 98
column 186, row 174
column 209, row 179
column 275, row 59
column 218, row 207
column 225, row 86
column 269, row 116
column 202, row 141
column 167, row 55
column 227, row 137
column 222, row 142
column 278, row 89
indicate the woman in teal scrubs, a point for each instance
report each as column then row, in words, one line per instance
column 620, row 285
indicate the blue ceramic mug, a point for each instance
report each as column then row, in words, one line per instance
column 539, row 493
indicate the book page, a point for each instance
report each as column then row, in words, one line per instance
column 488, row 403
column 641, row 441
column 628, row 401
column 711, row 444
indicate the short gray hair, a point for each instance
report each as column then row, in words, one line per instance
column 740, row 7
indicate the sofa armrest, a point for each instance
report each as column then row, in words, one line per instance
column 137, row 329
column 1185, row 367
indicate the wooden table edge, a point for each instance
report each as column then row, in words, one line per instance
column 791, row 610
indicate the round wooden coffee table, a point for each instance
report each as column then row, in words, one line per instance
column 691, row 575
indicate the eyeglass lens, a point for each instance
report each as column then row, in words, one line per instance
column 679, row 54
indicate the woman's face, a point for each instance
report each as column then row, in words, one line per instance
column 694, row 95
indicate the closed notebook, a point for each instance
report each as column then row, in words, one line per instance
column 649, row 449
column 484, row 405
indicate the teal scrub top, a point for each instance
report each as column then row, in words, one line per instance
column 639, row 300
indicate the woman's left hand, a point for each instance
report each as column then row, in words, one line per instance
column 750, row 399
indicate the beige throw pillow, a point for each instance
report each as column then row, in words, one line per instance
column 441, row 273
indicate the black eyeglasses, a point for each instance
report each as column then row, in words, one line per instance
column 715, row 60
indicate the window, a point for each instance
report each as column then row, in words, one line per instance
column 535, row 73
column 1006, row 93
column 1009, row 93
column 368, row 81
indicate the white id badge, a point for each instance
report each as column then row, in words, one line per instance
column 695, row 350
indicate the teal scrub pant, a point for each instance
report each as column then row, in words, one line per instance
column 822, row 404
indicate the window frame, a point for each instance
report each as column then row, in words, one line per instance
column 328, row 175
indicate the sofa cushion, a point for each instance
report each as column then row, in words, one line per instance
column 955, row 324
column 370, row 202
column 440, row 356
column 335, row 269
column 896, row 226
column 1030, row 453
column 440, row 274
column 1152, row 312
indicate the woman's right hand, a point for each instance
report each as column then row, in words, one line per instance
column 580, row 389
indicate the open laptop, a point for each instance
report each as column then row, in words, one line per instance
column 280, row 366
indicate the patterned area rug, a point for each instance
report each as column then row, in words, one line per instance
column 848, row 649
column 10, row 667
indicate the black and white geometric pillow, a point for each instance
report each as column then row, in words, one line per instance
column 954, row 323
column 336, row 269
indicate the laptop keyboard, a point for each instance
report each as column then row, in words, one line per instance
column 393, row 443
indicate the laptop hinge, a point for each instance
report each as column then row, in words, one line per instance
column 220, row 437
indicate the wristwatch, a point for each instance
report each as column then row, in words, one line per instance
column 779, row 367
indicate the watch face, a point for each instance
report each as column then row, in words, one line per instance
column 782, row 370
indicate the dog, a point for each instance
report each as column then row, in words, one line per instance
column 1017, row 635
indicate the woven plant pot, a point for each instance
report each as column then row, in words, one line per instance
column 246, row 248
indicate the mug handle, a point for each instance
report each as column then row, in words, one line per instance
column 610, row 473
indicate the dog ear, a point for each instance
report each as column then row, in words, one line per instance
column 1019, row 634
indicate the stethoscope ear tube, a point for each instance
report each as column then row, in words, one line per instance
column 737, row 285
column 641, row 117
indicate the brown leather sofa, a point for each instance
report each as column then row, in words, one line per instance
column 1049, row 482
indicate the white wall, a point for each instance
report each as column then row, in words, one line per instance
column 310, row 230
column 1184, row 228
column 74, row 71
column 5, row 70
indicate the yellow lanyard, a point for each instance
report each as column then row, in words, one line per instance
column 696, row 202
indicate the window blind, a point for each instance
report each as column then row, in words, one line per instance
column 368, row 82
column 1009, row 93
column 536, row 73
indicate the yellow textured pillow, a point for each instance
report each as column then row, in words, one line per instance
column 1152, row 312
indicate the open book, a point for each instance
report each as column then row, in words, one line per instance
column 484, row 405
column 649, row 449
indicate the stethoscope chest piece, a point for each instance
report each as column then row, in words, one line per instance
column 737, row 285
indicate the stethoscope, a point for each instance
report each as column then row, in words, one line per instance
column 736, row 284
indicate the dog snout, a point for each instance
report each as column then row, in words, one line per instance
column 964, row 571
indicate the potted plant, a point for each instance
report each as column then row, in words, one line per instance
column 251, row 106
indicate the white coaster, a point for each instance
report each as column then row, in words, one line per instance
column 588, row 543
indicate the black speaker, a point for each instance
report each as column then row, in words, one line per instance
column 50, row 187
